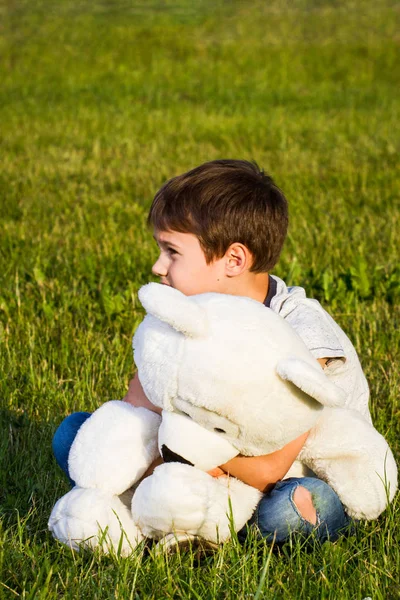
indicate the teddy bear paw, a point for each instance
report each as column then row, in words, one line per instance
column 179, row 498
column 94, row 518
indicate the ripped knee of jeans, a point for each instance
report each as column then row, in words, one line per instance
column 302, row 498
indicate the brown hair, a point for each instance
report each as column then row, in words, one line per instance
column 225, row 201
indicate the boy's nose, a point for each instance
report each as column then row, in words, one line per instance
column 159, row 268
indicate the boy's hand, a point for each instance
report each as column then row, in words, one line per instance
column 217, row 472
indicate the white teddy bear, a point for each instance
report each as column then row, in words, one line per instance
column 232, row 377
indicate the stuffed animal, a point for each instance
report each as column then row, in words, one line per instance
column 231, row 377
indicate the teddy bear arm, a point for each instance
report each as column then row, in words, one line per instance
column 349, row 454
column 114, row 447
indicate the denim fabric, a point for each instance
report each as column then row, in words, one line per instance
column 277, row 515
column 64, row 436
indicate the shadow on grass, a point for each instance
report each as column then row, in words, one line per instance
column 30, row 480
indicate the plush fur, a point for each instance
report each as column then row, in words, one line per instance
column 231, row 377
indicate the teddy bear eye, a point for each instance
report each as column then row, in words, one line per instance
column 219, row 430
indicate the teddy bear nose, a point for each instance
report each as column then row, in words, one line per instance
column 170, row 456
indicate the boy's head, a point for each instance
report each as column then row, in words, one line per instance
column 226, row 217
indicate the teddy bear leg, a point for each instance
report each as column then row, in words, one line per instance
column 349, row 454
column 181, row 499
column 94, row 518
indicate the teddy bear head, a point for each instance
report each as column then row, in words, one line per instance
column 230, row 375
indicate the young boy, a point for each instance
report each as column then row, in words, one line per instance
column 220, row 228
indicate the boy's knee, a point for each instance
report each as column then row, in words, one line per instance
column 68, row 428
column 302, row 498
column 65, row 435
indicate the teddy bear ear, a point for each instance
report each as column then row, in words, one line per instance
column 171, row 306
column 312, row 381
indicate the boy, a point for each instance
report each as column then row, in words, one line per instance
column 220, row 228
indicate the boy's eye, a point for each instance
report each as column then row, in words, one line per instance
column 171, row 251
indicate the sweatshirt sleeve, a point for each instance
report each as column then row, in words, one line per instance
column 316, row 331
column 313, row 324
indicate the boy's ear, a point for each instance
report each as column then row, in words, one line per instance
column 238, row 258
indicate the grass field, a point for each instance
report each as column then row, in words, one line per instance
column 101, row 102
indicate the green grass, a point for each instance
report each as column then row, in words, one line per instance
column 100, row 103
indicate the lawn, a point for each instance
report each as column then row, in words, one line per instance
column 100, row 103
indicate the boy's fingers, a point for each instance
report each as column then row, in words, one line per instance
column 217, row 472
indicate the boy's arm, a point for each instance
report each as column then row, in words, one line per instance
column 137, row 397
column 262, row 472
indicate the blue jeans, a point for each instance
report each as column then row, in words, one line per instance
column 63, row 438
column 276, row 514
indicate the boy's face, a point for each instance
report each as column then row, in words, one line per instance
column 182, row 264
